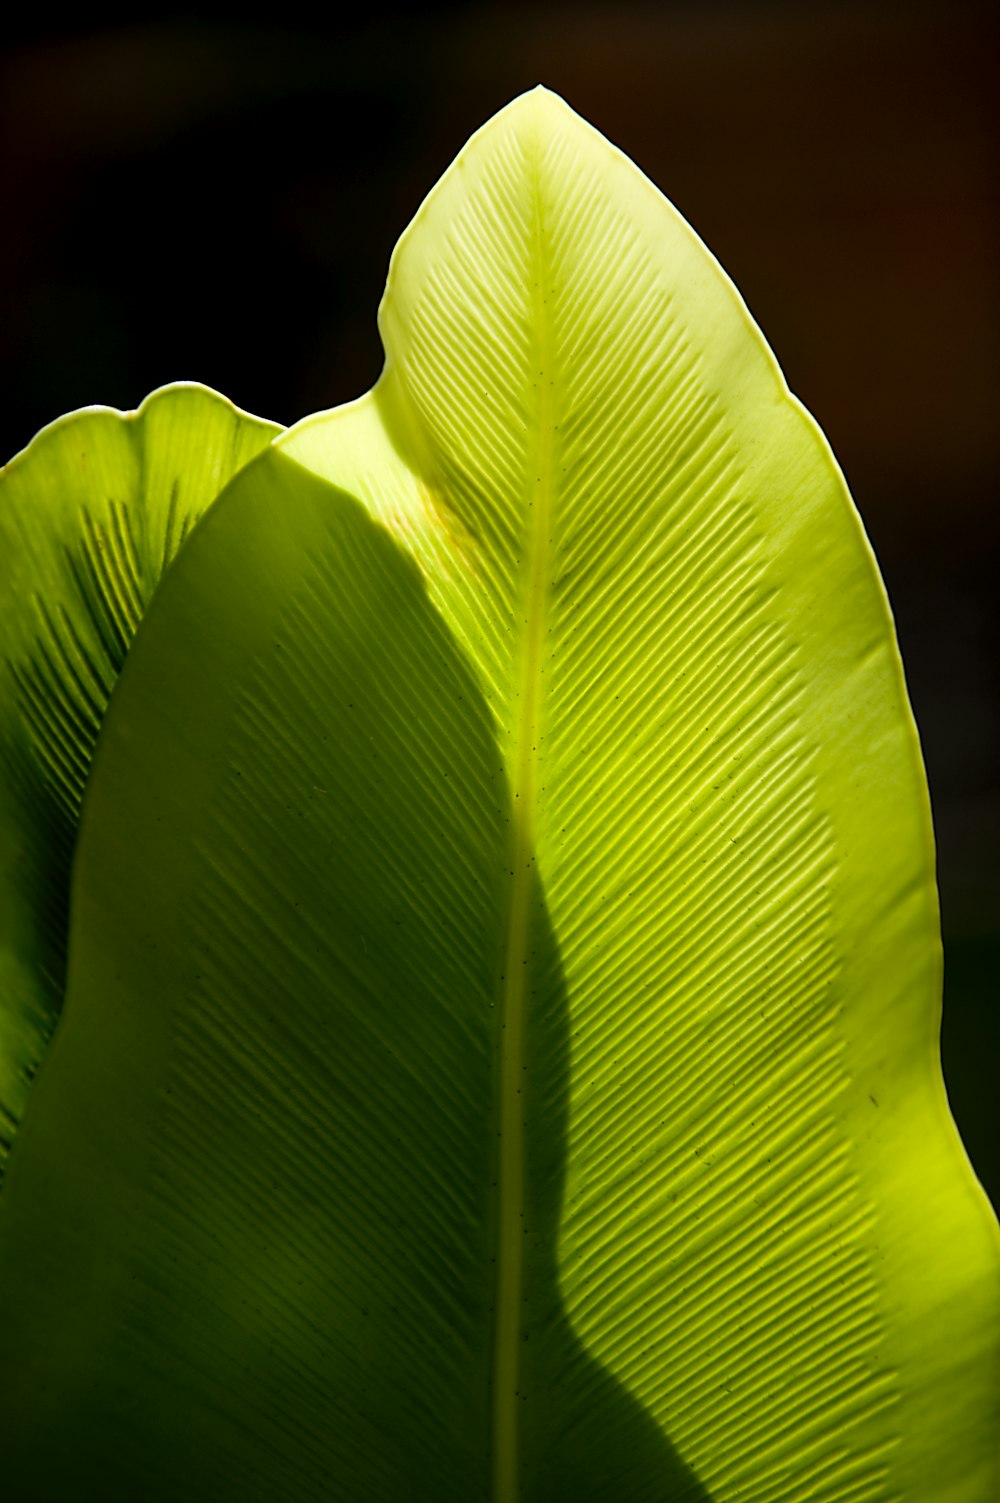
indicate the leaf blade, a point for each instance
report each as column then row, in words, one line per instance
column 681, row 458
column 91, row 513
column 272, row 1028
column 721, row 895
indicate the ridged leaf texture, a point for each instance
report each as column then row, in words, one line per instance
column 500, row 1051
column 91, row 513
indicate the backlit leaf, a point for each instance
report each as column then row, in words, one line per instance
column 91, row 513
column 500, row 1055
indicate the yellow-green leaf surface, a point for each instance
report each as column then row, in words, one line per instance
column 91, row 513
column 500, row 1051
column 770, row 1233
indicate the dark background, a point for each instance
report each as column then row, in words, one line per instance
column 198, row 196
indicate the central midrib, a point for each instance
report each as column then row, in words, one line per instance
column 511, row 1168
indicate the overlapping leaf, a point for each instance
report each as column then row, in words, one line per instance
column 91, row 513
column 500, row 1057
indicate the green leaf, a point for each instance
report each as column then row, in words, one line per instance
column 267, row 1130
column 91, row 513
column 500, row 1053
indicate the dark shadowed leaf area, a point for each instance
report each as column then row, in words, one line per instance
column 274, row 1268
